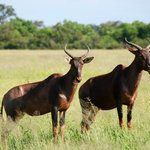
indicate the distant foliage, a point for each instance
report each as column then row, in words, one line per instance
column 6, row 12
column 23, row 34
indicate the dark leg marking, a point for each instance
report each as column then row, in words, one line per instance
column 129, row 116
column 54, row 123
column 120, row 114
column 62, row 124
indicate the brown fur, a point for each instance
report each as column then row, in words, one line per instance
column 114, row 89
column 50, row 95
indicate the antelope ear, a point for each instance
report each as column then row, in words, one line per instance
column 67, row 59
column 134, row 51
column 88, row 59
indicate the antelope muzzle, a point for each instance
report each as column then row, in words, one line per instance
column 78, row 79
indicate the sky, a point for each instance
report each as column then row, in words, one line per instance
column 82, row 11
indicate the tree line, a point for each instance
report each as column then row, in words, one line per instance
column 17, row 33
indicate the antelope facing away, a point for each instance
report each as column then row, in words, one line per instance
column 112, row 90
column 50, row 95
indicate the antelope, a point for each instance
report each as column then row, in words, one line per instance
column 54, row 94
column 112, row 90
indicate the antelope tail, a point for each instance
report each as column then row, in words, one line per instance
column 1, row 113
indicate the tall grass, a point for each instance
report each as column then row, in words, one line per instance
column 32, row 133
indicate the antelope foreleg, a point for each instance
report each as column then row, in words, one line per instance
column 129, row 116
column 93, row 113
column 54, row 123
column 86, row 108
column 62, row 124
column 120, row 113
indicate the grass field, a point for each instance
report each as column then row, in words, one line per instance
column 35, row 133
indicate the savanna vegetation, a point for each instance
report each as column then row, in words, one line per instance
column 19, row 67
column 32, row 133
column 17, row 33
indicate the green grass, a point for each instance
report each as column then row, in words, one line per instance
column 32, row 133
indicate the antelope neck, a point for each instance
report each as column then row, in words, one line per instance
column 134, row 74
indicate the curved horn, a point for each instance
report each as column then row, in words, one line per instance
column 67, row 52
column 83, row 56
column 134, row 45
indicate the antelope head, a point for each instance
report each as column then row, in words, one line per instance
column 77, row 63
column 142, row 54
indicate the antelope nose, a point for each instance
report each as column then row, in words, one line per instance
column 79, row 79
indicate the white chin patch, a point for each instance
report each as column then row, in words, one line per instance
column 62, row 96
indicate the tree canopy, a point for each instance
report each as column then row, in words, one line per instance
column 17, row 33
column 6, row 12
